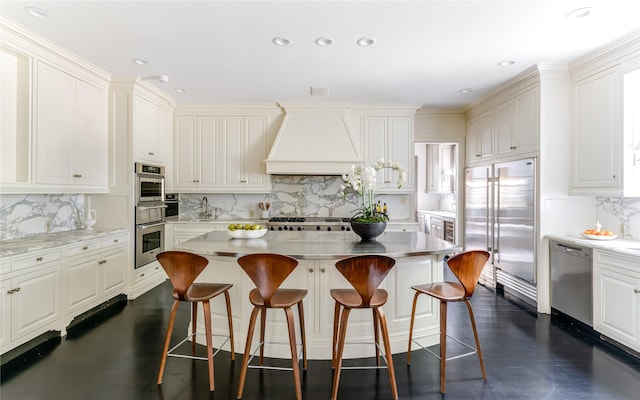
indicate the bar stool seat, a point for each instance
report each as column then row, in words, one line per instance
column 183, row 268
column 467, row 267
column 268, row 272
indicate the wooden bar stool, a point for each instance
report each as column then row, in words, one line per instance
column 183, row 268
column 268, row 271
column 364, row 273
column 467, row 267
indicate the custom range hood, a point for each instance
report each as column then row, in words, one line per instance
column 314, row 139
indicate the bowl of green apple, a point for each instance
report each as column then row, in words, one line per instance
column 246, row 231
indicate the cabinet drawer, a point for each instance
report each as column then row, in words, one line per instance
column 34, row 259
column 623, row 263
column 114, row 240
column 83, row 248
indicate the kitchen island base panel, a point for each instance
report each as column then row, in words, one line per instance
column 318, row 277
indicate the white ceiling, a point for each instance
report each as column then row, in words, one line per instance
column 426, row 51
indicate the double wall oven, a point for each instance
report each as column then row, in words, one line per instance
column 150, row 212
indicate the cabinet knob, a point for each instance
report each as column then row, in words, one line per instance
column 39, row 259
column 85, row 247
column 323, row 270
column 311, row 270
column 614, row 176
column 115, row 240
column 636, row 291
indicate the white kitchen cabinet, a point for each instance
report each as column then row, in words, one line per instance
column 151, row 126
column 146, row 278
column 389, row 138
column 197, row 143
column 94, row 271
column 616, row 297
column 245, row 146
column 30, row 297
column 517, row 125
column 71, row 130
column 181, row 232
column 440, row 168
column 480, row 138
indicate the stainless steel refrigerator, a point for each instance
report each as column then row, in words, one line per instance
column 500, row 218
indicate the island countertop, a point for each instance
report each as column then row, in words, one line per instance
column 319, row 245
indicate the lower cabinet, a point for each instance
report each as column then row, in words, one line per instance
column 44, row 290
column 616, row 293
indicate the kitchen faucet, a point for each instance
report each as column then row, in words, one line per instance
column 205, row 204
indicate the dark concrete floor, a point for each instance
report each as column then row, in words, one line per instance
column 527, row 356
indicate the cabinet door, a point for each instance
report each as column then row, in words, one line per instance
column 255, row 152
column 90, row 137
column 36, row 303
column 597, row 131
column 186, row 154
column 505, row 128
column 55, row 115
column 148, row 122
column 480, row 138
column 400, row 149
column 113, row 271
column 527, row 126
column 209, row 145
column 375, row 142
column 81, row 276
column 233, row 152
column 5, row 312
column 617, row 306
column 244, row 148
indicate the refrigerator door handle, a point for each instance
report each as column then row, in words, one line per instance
column 496, row 215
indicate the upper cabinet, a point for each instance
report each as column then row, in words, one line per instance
column 70, row 130
column 389, row 138
column 480, row 138
column 152, row 125
column 54, row 118
column 441, row 167
column 606, row 123
column 219, row 149
column 507, row 130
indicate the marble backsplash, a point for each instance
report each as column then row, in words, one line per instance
column 27, row 214
column 291, row 196
column 620, row 215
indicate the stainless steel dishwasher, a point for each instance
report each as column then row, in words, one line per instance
column 571, row 280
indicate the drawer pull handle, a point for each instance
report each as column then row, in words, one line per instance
column 12, row 291
column 152, row 154
column 636, row 291
column 141, row 275
column 39, row 259
column 85, row 247
column 115, row 240
column 77, row 175
column 102, row 262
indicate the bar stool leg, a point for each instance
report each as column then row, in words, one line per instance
column 376, row 336
column 207, row 328
column 341, row 338
column 194, row 319
column 334, row 342
column 172, row 320
column 263, row 323
column 387, row 351
column 303, row 335
column 413, row 317
column 294, row 352
column 443, row 344
column 475, row 335
column 247, row 350
column 230, row 318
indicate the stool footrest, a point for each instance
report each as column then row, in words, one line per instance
column 253, row 354
column 171, row 354
column 472, row 352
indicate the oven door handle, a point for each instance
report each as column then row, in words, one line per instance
column 142, row 208
column 146, row 226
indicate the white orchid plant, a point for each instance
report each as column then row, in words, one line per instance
column 362, row 179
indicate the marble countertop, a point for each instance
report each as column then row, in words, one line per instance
column 319, row 245
column 446, row 214
column 41, row 241
column 624, row 246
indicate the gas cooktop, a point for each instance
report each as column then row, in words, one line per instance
column 309, row 224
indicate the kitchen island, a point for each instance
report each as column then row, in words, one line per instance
column 419, row 259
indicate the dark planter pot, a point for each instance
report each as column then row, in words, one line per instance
column 368, row 231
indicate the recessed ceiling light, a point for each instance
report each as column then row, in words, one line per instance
column 281, row 41
column 179, row 90
column 580, row 13
column 37, row 12
column 139, row 61
column 506, row 63
column 366, row 41
column 319, row 90
column 159, row 78
column 324, row 41
column 465, row 91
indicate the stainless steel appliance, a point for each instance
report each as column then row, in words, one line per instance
column 150, row 213
column 500, row 218
column 149, row 183
column 328, row 224
column 171, row 200
column 571, row 280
